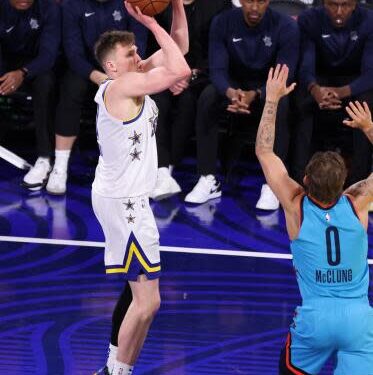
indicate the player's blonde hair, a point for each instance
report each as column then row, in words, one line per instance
column 325, row 176
column 108, row 41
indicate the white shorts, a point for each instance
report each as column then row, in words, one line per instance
column 131, row 236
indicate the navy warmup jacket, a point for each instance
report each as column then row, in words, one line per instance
column 33, row 36
column 328, row 51
column 85, row 20
column 239, row 53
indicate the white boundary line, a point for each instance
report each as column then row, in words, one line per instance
column 171, row 249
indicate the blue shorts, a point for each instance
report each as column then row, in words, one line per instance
column 341, row 329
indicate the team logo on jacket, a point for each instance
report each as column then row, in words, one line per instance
column 267, row 41
column 353, row 36
column 34, row 24
column 117, row 15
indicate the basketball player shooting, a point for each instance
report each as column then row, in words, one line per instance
column 127, row 167
column 328, row 233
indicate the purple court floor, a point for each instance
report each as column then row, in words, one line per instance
column 228, row 287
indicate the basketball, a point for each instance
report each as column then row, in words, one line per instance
column 150, row 7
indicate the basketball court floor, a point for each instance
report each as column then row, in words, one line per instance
column 228, row 287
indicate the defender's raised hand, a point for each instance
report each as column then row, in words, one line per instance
column 276, row 83
column 360, row 116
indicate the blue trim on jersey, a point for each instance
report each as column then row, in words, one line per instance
column 138, row 116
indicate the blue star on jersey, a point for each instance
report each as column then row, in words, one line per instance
column 135, row 138
column 135, row 154
column 129, row 205
column 131, row 219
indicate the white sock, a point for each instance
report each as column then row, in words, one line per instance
column 112, row 355
column 62, row 158
column 121, row 368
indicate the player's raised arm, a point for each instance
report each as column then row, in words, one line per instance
column 179, row 26
column 274, row 170
column 361, row 118
column 179, row 33
column 137, row 83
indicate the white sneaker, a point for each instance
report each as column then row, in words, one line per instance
column 166, row 185
column 206, row 188
column 37, row 176
column 267, row 200
column 57, row 182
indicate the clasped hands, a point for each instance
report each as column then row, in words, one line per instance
column 240, row 100
column 329, row 97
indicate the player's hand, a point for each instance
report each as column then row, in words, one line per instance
column 341, row 91
column 10, row 82
column 276, row 83
column 360, row 116
column 139, row 16
column 241, row 102
column 179, row 87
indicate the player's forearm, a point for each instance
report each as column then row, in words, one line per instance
column 173, row 59
column 265, row 137
column 369, row 133
column 179, row 27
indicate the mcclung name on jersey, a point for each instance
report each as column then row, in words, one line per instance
column 333, row 276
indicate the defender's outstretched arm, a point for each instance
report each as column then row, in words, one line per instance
column 285, row 188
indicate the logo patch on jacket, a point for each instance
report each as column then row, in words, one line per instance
column 267, row 41
column 117, row 15
column 34, row 24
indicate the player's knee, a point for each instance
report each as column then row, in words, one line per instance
column 154, row 304
column 149, row 308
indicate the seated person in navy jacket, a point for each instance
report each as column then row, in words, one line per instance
column 336, row 67
column 30, row 34
column 244, row 43
column 83, row 22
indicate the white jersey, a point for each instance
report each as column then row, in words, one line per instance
column 127, row 166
